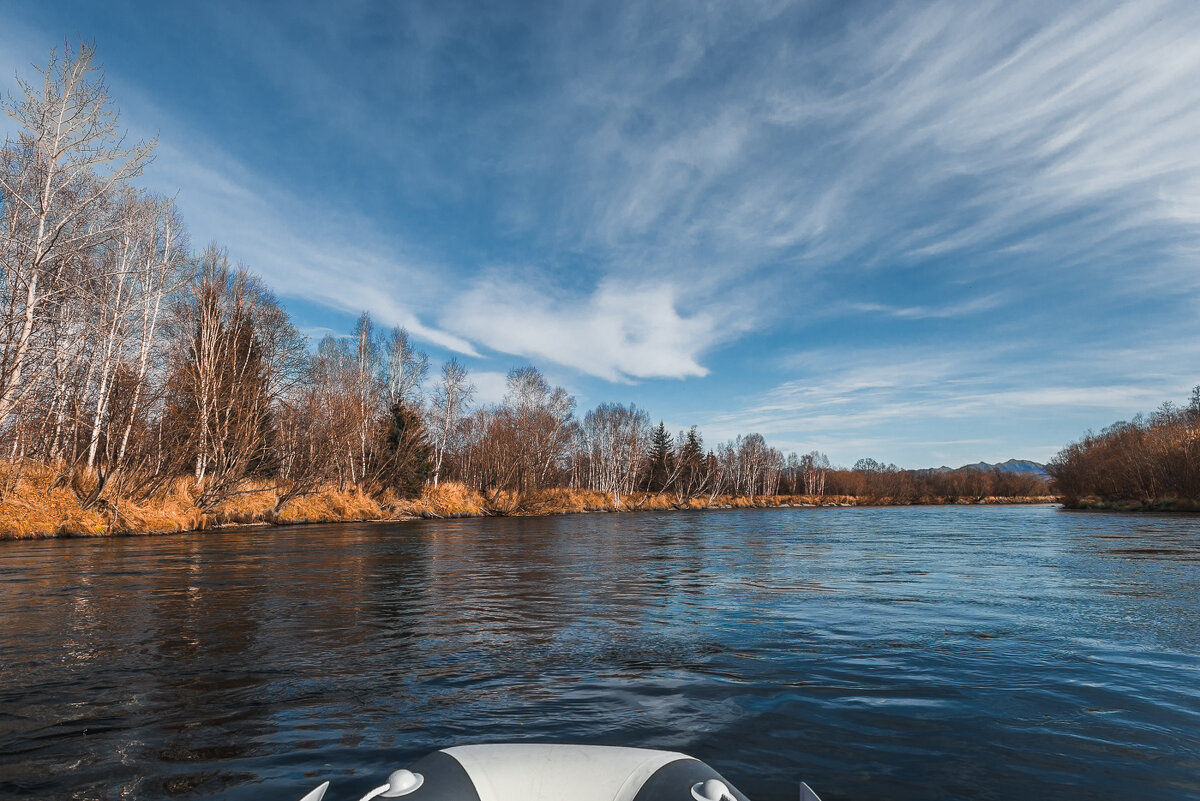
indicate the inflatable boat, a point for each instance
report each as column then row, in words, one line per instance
column 524, row 772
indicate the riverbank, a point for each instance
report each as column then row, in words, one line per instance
column 36, row 508
column 1158, row 505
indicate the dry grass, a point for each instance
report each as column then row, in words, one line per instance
column 32, row 509
column 561, row 501
column 447, row 499
column 329, row 503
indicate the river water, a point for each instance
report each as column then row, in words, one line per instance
column 904, row 653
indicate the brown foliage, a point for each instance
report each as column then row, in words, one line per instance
column 889, row 485
column 1144, row 462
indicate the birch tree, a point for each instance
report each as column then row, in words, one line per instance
column 814, row 467
column 150, row 267
column 368, row 390
column 54, row 179
column 542, row 420
column 689, row 460
column 450, row 399
column 616, row 437
column 404, row 369
column 235, row 354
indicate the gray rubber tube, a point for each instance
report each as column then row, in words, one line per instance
column 674, row 782
column 445, row 780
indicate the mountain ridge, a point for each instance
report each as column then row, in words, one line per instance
column 1010, row 466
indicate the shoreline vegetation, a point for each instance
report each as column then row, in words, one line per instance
column 1148, row 464
column 42, row 511
column 145, row 386
column 1164, row 505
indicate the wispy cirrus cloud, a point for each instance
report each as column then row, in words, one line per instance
column 901, row 189
column 954, row 309
column 945, row 130
column 720, row 151
column 891, row 401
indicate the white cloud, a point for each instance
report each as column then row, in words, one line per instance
column 962, row 309
column 941, row 130
column 959, row 401
column 618, row 333
column 490, row 387
column 343, row 264
column 1050, row 110
column 316, row 333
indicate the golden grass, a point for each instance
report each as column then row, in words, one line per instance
column 329, row 503
column 448, row 498
column 33, row 509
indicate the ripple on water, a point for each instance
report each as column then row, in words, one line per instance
column 981, row 652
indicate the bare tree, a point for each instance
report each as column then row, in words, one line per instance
column 450, row 399
column 814, row 467
column 55, row 179
column 365, row 380
column 616, row 438
column 153, row 270
column 692, row 478
column 542, row 420
column 321, row 422
column 404, row 369
column 235, row 354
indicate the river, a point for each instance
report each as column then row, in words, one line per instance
column 876, row 653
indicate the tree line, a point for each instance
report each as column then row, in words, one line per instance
column 1149, row 459
column 133, row 366
column 873, row 481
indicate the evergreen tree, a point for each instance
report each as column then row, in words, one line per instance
column 691, row 463
column 661, row 460
column 407, row 452
column 693, row 448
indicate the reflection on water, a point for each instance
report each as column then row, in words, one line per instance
column 877, row 653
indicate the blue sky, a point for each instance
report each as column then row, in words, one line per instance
column 925, row 233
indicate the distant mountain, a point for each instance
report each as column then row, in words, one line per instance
column 1011, row 466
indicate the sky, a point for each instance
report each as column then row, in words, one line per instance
column 924, row 233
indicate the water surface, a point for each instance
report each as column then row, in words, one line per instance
column 910, row 653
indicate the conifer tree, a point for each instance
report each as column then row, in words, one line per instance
column 408, row 452
column 691, row 464
column 661, row 460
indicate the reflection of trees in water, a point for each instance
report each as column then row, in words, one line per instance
column 220, row 652
column 215, row 665
column 192, row 653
